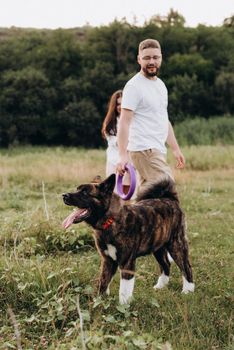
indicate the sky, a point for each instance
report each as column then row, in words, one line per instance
column 76, row 13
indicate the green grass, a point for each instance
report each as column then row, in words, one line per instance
column 43, row 269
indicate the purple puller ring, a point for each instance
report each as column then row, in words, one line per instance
column 130, row 168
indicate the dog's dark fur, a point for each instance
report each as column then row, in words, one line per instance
column 154, row 224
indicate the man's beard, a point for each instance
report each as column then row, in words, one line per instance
column 150, row 74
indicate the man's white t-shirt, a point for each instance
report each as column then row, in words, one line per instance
column 148, row 100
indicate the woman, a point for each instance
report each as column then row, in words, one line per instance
column 109, row 133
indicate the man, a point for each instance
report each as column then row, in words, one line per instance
column 144, row 127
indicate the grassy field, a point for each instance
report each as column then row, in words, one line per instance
column 48, row 276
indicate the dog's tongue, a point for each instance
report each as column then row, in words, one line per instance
column 74, row 215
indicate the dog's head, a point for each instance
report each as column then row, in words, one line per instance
column 92, row 201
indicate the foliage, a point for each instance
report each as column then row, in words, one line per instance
column 192, row 92
column 55, row 84
column 224, row 87
column 200, row 131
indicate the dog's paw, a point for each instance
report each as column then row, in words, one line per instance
column 162, row 281
column 188, row 287
column 123, row 299
column 126, row 290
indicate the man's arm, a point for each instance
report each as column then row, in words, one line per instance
column 122, row 138
column 172, row 142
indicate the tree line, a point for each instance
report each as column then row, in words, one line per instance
column 55, row 84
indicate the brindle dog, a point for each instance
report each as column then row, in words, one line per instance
column 154, row 224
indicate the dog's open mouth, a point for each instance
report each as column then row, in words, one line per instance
column 75, row 217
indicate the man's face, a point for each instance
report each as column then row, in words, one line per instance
column 150, row 61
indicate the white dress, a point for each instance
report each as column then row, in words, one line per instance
column 112, row 158
column 112, row 154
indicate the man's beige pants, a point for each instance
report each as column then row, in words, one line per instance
column 152, row 167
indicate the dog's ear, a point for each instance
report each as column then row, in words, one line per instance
column 97, row 179
column 108, row 185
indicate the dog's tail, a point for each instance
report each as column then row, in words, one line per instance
column 163, row 189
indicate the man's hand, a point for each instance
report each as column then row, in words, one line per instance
column 120, row 168
column 180, row 159
column 172, row 142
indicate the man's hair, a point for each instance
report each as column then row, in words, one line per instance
column 149, row 43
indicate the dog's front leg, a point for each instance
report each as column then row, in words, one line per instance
column 127, row 281
column 108, row 269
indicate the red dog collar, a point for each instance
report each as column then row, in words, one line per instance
column 107, row 223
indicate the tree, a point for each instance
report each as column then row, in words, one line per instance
column 187, row 97
column 25, row 92
column 79, row 124
column 229, row 21
column 224, row 87
column 173, row 19
column 190, row 64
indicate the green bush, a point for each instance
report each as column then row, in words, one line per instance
column 198, row 131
